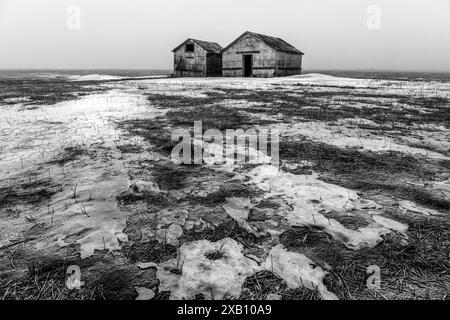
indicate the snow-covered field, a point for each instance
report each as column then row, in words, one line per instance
column 363, row 181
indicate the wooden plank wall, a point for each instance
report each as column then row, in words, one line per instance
column 190, row 64
column 264, row 58
column 267, row 62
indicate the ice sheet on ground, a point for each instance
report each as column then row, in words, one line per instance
column 95, row 224
column 146, row 265
column 409, row 206
column 238, row 209
column 85, row 212
column 310, row 198
column 298, row 271
column 144, row 293
column 214, row 154
column 215, row 279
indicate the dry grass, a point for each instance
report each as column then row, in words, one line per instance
column 264, row 283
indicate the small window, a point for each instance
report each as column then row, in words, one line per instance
column 190, row 47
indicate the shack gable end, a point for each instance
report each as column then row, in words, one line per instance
column 196, row 58
column 262, row 55
column 257, row 55
column 190, row 64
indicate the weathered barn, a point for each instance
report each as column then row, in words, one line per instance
column 196, row 58
column 258, row 55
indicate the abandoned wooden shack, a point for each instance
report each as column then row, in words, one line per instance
column 197, row 58
column 258, row 55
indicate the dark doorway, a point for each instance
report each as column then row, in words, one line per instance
column 248, row 65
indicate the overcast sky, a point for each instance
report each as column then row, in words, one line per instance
column 128, row 34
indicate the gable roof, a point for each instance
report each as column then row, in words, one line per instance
column 209, row 47
column 277, row 44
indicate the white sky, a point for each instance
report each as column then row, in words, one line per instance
column 414, row 34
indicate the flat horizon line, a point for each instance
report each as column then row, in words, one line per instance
column 305, row 71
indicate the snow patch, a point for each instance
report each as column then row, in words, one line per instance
column 309, row 198
column 144, row 293
column 238, row 209
column 85, row 211
column 215, row 279
column 408, row 206
column 298, row 271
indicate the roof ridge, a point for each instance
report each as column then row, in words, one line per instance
column 203, row 41
column 274, row 42
column 208, row 46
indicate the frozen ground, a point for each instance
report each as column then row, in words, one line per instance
column 364, row 180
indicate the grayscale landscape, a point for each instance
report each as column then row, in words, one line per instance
column 87, row 180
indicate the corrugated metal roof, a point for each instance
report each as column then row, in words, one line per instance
column 210, row 47
column 276, row 43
